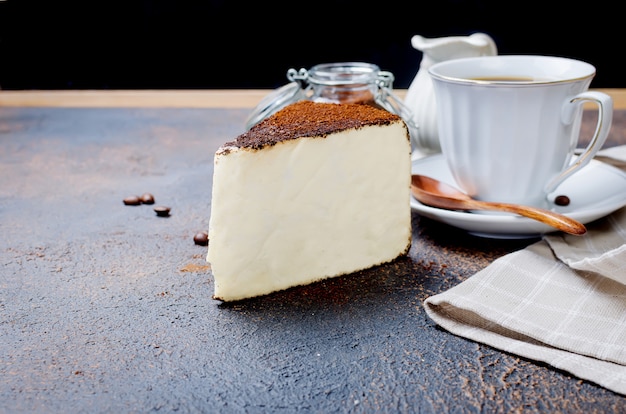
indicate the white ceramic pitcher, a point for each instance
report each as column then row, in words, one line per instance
column 420, row 97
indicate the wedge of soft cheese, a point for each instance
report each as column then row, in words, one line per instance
column 312, row 192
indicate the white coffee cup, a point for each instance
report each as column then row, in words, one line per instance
column 509, row 125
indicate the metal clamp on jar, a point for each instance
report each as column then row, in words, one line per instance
column 347, row 82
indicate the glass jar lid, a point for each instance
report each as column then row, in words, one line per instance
column 335, row 74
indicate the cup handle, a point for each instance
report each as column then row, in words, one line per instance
column 605, row 118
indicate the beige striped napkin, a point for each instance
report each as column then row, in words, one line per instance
column 561, row 301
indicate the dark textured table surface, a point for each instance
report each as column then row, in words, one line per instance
column 107, row 308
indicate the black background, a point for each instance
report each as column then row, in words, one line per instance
column 185, row 44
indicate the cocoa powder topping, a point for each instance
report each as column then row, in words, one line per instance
column 307, row 119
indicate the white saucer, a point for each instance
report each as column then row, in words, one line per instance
column 594, row 192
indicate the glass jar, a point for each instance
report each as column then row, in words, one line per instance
column 347, row 82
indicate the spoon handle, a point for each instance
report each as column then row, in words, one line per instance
column 559, row 221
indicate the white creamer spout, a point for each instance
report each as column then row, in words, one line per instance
column 420, row 97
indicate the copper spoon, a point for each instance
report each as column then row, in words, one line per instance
column 434, row 193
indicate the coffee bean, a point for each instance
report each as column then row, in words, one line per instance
column 561, row 200
column 147, row 198
column 201, row 239
column 162, row 211
column 132, row 201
